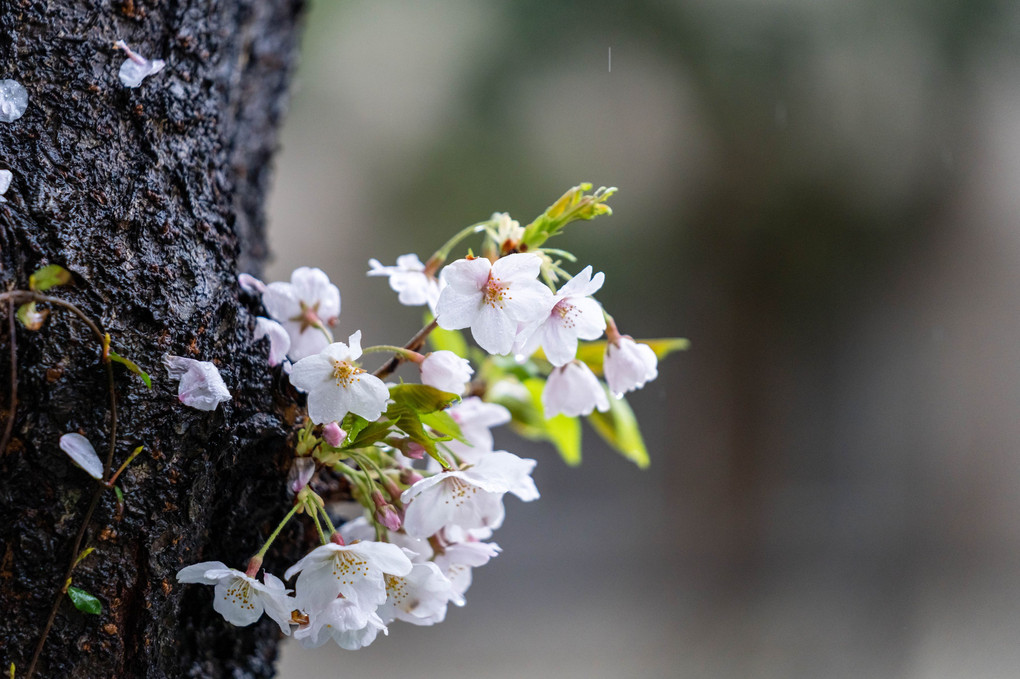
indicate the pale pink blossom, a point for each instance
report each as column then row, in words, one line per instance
column 446, row 371
column 574, row 315
column 306, row 306
column 342, row 620
column 629, row 365
column 420, row 597
column 493, row 299
column 468, row 498
column 81, row 452
column 239, row 598
column 201, row 385
column 355, row 571
column 457, row 560
column 250, row 284
column 573, row 390
column 475, row 418
column 336, row 386
column 410, row 280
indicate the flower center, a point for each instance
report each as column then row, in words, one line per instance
column 239, row 594
column 346, row 374
column 563, row 308
column 309, row 316
column 495, row 292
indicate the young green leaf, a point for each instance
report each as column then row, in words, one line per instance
column 366, row 436
column 83, row 555
column 84, row 602
column 352, row 424
column 119, row 493
column 48, row 277
column 132, row 366
column 619, row 428
column 571, row 206
column 443, row 424
column 421, row 398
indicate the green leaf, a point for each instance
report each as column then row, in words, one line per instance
column 84, row 602
column 593, row 354
column 352, row 424
column 31, row 317
column 119, row 493
column 132, row 366
column 421, row 398
column 571, row 206
column 443, row 423
column 84, row 553
column 619, row 428
column 372, row 433
column 48, row 277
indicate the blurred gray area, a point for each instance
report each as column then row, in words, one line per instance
column 825, row 198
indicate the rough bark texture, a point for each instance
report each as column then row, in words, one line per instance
column 152, row 198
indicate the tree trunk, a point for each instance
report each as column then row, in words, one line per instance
column 152, row 197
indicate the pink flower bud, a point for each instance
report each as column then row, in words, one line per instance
column 409, row 476
column 333, row 434
column 300, row 473
column 385, row 513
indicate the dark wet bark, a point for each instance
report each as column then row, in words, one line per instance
column 152, row 198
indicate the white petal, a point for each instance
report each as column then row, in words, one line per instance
column 281, row 301
column 385, row 556
column 368, row 396
column 467, row 275
column 521, row 265
column 250, row 284
column 629, row 365
column 529, row 301
column 5, row 180
column 329, row 403
column 80, row 450
column 458, row 309
column 206, row 573
column 309, row 373
column 494, row 330
column 312, row 286
column 279, row 340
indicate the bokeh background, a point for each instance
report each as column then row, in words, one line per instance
column 825, row 198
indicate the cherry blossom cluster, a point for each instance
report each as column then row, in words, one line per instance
column 419, row 456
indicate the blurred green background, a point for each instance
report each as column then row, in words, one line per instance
column 823, row 196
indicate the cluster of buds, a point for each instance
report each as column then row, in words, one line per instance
column 420, row 458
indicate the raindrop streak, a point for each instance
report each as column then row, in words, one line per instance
column 13, row 100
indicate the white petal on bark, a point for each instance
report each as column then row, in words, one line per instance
column 81, row 452
column 6, row 176
column 201, row 385
column 134, row 70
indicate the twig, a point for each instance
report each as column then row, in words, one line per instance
column 13, row 297
column 414, row 344
column 9, row 429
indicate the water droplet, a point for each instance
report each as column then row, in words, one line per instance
column 13, row 100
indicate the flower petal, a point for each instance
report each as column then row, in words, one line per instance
column 81, row 452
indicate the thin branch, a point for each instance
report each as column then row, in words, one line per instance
column 413, row 344
column 12, row 298
column 9, row 429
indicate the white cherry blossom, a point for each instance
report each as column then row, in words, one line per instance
column 468, row 498
column 304, row 306
column 13, row 100
column 279, row 340
column 416, row 549
column 493, row 299
column 457, row 560
column 336, row 386
column 201, row 385
column 136, row 68
column 574, row 315
column 509, row 232
column 342, row 620
column 420, row 597
column 475, row 418
column 446, row 371
column 81, row 452
column 239, row 598
column 355, row 571
column 573, row 390
column 629, row 365
column 409, row 279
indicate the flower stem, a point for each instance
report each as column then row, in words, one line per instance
column 123, row 466
column 413, row 344
column 293, row 510
column 442, row 253
column 406, row 354
column 315, row 519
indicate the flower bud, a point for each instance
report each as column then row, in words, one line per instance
column 409, row 476
column 333, row 434
column 385, row 513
